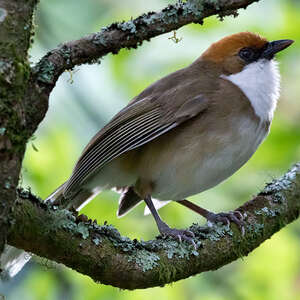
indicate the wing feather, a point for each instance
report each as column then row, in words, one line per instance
column 112, row 147
column 122, row 132
column 125, row 137
column 137, row 124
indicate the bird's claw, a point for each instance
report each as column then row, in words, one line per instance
column 226, row 218
column 181, row 235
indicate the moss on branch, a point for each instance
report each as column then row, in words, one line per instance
column 107, row 257
column 15, row 39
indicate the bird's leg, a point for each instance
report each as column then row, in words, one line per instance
column 164, row 229
column 232, row 216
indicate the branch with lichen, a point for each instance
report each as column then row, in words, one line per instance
column 103, row 254
column 113, row 38
column 131, row 34
column 15, row 36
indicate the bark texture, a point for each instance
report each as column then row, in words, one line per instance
column 15, row 35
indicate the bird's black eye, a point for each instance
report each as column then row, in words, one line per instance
column 247, row 54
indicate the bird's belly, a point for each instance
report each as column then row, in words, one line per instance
column 201, row 165
column 184, row 166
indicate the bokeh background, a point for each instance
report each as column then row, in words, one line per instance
column 86, row 98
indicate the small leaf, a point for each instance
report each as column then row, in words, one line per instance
column 34, row 147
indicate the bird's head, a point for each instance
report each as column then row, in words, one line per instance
column 235, row 52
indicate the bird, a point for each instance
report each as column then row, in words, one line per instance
column 183, row 134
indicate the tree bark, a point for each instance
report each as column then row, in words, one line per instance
column 103, row 254
column 15, row 35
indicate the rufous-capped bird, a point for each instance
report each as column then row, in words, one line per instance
column 185, row 133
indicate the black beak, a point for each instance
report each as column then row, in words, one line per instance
column 273, row 47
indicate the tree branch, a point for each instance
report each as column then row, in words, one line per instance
column 15, row 35
column 131, row 34
column 101, row 253
column 111, row 39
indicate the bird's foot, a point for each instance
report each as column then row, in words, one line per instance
column 226, row 218
column 179, row 234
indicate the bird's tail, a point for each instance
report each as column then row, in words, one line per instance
column 12, row 260
column 130, row 199
column 81, row 199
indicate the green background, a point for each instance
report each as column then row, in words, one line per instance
column 84, row 100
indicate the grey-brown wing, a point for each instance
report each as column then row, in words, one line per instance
column 137, row 125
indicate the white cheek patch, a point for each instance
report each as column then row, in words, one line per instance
column 260, row 82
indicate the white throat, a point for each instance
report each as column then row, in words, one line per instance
column 260, row 82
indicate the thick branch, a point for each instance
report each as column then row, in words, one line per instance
column 101, row 253
column 15, row 35
column 111, row 39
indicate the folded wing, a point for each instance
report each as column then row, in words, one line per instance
column 137, row 124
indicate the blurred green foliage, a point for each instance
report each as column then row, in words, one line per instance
column 78, row 110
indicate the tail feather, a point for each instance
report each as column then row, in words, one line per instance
column 82, row 198
column 58, row 193
column 128, row 200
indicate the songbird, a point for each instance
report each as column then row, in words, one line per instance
column 185, row 133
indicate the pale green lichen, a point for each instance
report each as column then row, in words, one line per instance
column 170, row 16
column 267, row 212
column 127, row 26
column 194, row 7
column 45, row 71
column 180, row 250
column 66, row 53
column 144, row 253
column 2, row 130
column 284, row 183
column 100, row 38
column 83, row 230
column 96, row 241
column 280, row 188
column 66, row 220
column 151, row 18
column 145, row 259
column 218, row 231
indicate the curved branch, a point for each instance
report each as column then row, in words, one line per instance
column 107, row 257
column 111, row 39
column 131, row 34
